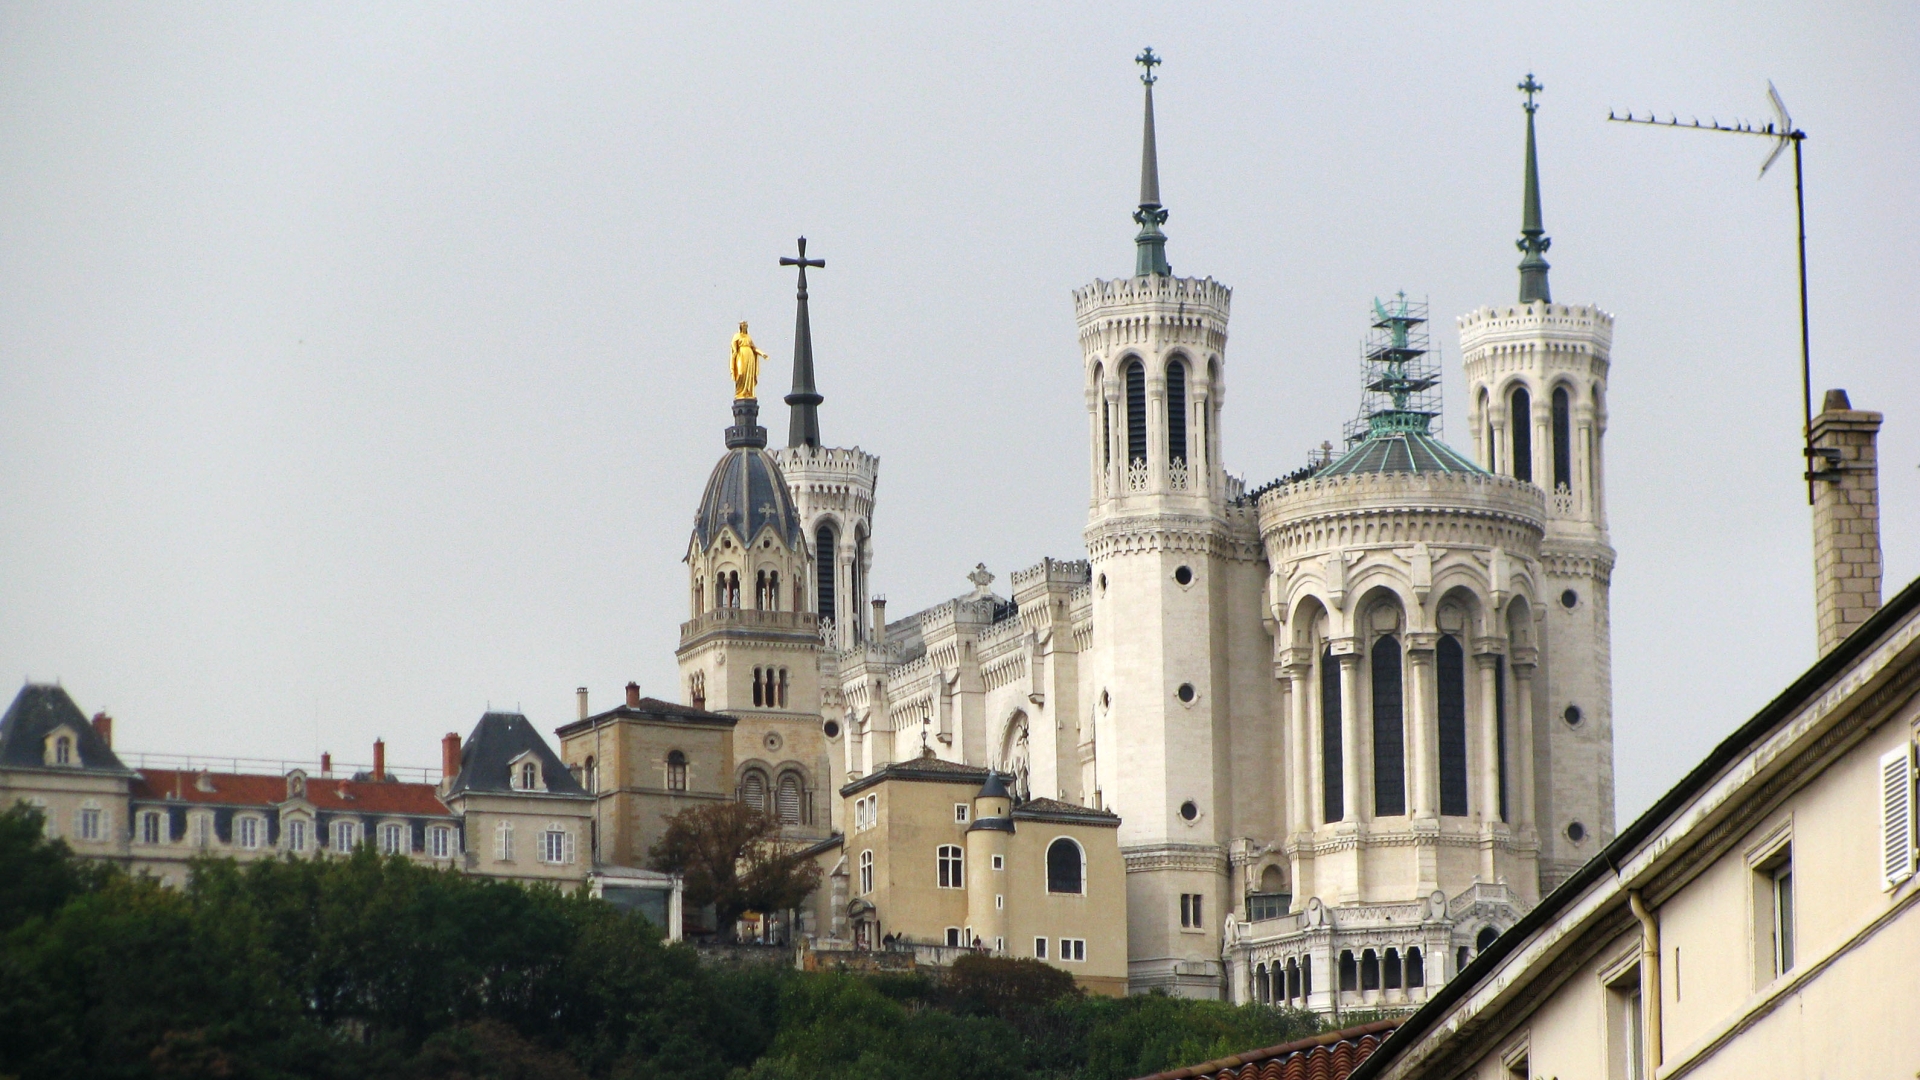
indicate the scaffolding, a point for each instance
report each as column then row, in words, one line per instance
column 1400, row 374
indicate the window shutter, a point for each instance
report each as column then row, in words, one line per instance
column 569, row 857
column 787, row 799
column 1896, row 825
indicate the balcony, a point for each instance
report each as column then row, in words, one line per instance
column 731, row 618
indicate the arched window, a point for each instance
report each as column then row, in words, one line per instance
column 1333, row 802
column 773, row 590
column 1260, row 991
column 952, row 867
column 1306, row 977
column 1487, row 936
column 1520, row 430
column 1369, row 970
column 1562, row 440
column 1136, row 414
column 1450, row 663
column 529, row 776
column 676, row 771
column 753, row 789
column 1065, row 867
column 857, row 583
column 1416, row 969
column 786, row 799
column 1176, row 413
column 823, row 565
column 1106, row 417
column 592, row 774
column 1389, row 745
column 1390, row 970
column 1293, row 980
column 760, row 591
column 759, row 689
column 782, row 696
column 1349, row 971
column 866, row 872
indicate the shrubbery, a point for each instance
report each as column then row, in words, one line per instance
column 372, row 967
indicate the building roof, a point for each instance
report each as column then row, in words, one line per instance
column 924, row 768
column 36, row 710
column 264, row 790
column 1647, row 826
column 1400, row 451
column 487, row 757
column 1331, row 1055
column 1055, row 810
column 746, row 493
column 650, row 711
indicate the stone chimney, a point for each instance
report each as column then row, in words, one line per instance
column 103, row 726
column 379, row 759
column 1846, row 518
column 879, row 620
column 582, row 692
column 326, row 764
column 633, row 695
column 449, row 756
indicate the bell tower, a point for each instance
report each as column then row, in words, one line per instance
column 1167, row 557
column 1537, row 376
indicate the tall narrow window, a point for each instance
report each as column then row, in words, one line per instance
column 1106, row 443
column 1333, row 803
column 63, row 751
column 952, row 867
column 1500, row 729
column 773, row 590
column 783, row 688
column 786, row 799
column 857, row 584
column 150, row 828
column 676, row 771
column 1176, row 413
column 1520, row 430
column 1389, row 744
column 1562, row 441
column 757, row 684
column 1065, row 869
column 529, row 777
column 1136, row 414
column 1450, row 662
column 760, row 591
column 1773, row 915
column 866, row 872
column 296, row 835
column 823, row 552
column 753, row 789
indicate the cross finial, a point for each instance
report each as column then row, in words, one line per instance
column 803, row 262
column 1530, row 88
column 1149, row 61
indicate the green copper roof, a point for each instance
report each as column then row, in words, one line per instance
column 1400, row 443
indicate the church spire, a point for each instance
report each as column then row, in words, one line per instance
column 1533, row 239
column 1150, row 255
column 803, row 426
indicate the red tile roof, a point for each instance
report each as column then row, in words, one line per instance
column 1328, row 1056
column 325, row 793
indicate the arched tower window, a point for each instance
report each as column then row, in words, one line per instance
column 1389, row 746
column 786, row 799
column 1562, row 440
column 773, row 590
column 1064, row 867
column 1106, row 417
column 759, row 689
column 753, row 789
column 760, row 591
column 823, row 562
column 1520, row 430
column 1333, row 802
column 676, row 771
column 1176, row 413
column 1450, row 661
column 857, row 583
column 1136, row 413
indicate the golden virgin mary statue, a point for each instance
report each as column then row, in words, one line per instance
column 745, row 363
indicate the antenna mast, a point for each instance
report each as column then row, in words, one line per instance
column 1783, row 134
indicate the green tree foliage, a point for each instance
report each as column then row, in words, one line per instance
column 378, row 968
column 731, row 857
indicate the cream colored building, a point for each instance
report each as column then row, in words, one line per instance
column 1763, row 917
column 940, row 858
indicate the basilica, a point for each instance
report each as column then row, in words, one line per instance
column 1348, row 725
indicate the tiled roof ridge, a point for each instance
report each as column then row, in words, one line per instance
column 1057, row 807
column 327, row 793
column 647, row 709
column 1363, row 1039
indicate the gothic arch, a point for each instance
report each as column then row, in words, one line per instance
column 1016, row 755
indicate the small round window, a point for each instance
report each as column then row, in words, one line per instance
column 1568, row 599
column 1184, row 575
column 1571, row 716
column 1185, row 693
column 1576, row 832
column 832, row 729
column 1188, row 810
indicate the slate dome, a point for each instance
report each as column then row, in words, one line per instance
column 746, row 493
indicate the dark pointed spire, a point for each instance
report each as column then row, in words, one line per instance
column 803, row 426
column 1150, row 247
column 1533, row 240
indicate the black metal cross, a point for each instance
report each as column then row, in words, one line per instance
column 1149, row 61
column 1530, row 88
column 803, row 262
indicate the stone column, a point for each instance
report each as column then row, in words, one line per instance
column 1423, row 757
column 1300, row 813
column 1520, row 748
column 1846, row 518
column 1115, row 433
column 1354, row 805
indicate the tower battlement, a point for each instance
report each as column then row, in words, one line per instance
column 1582, row 323
column 1203, row 297
column 814, row 463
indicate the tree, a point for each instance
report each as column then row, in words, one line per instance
column 731, row 856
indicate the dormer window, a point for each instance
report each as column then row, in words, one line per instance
column 63, row 751
column 296, row 784
column 528, row 774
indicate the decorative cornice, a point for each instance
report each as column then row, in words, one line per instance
column 1151, row 858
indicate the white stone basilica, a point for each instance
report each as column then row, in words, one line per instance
column 1355, row 721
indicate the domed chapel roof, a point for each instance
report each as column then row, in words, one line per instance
column 1408, row 450
column 747, row 491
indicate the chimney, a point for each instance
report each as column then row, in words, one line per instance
column 583, row 702
column 450, row 756
column 103, row 726
column 633, row 695
column 879, row 620
column 1846, row 518
column 326, row 764
column 379, row 759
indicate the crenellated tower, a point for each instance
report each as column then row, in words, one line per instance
column 1537, row 375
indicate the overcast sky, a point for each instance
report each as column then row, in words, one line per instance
column 362, row 366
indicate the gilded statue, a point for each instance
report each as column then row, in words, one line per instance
column 745, row 363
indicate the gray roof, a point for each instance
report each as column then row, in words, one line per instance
column 36, row 710
column 1401, row 452
column 1057, row 811
column 488, row 754
column 926, row 767
column 746, row 493
column 653, row 711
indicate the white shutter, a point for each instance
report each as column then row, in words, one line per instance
column 1896, row 822
column 570, row 850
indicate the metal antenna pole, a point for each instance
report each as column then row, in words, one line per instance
column 1782, row 131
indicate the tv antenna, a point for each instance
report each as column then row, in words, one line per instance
column 1783, row 134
